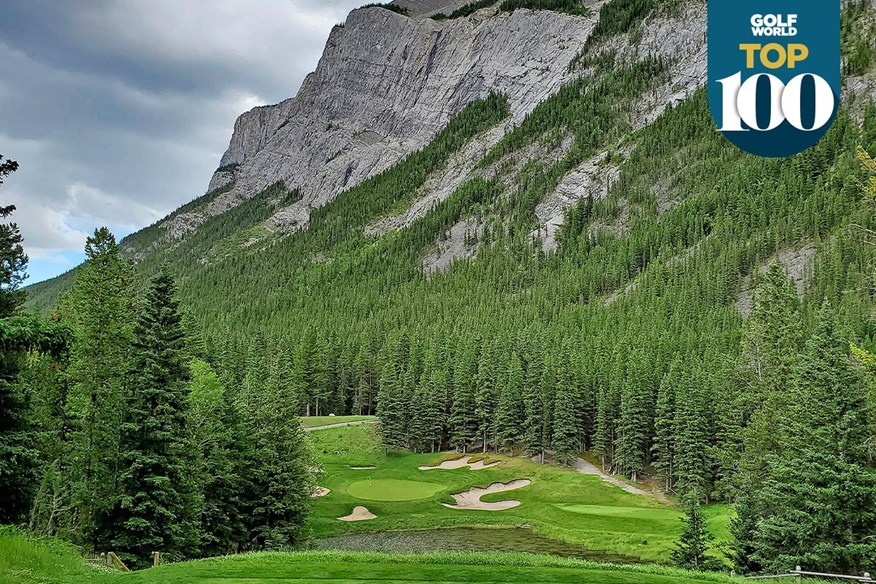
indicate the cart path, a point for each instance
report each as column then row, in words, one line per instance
column 340, row 425
column 585, row 467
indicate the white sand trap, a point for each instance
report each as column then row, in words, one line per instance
column 471, row 499
column 461, row 462
column 363, row 467
column 359, row 513
column 320, row 492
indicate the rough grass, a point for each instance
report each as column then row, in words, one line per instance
column 560, row 503
column 30, row 560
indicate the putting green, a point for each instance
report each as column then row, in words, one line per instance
column 392, row 490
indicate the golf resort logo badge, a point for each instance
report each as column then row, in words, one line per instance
column 774, row 72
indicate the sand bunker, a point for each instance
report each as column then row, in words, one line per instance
column 471, row 499
column 462, row 462
column 363, row 467
column 359, row 513
column 320, row 492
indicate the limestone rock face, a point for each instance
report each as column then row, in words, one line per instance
column 385, row 85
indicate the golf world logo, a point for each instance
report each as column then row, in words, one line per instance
column 774, row 72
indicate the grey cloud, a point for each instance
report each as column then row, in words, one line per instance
column 119, row 110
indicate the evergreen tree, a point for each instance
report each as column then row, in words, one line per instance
column 509, row 413
column 663, row 450
column 363, row 390
column 632, row 429
column 602, row 446
column 486, row 397
column 822, row 485
column 13, row 260
column 692, row 434
column 390, row 406
column 324, row 376
column 463, row 417
column 302, row 376
column 216, row 435
column 100, row 308
column 280, row 482
column 766, row 375
column 434, row 382
column 44, row 380
column 566, row 443
column 419, row 425
column 540, row 381
column 691, row 549
column 156, row 509
column 769, row 352
column 18, row 458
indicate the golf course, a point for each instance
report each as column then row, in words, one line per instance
column 493, row 502
column 444, row 517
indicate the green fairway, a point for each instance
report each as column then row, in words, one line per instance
column 318, row 421
column 560, row 503
column 392, row 490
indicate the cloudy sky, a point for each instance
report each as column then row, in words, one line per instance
column 118, row 111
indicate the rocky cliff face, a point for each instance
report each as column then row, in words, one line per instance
column 384, row 86
column 387, row 83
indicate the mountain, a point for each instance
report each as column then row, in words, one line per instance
column 521, row 189
column 388, row 83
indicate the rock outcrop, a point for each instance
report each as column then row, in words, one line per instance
column 385, row 85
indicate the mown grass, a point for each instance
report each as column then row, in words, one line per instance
column 317, row 421
column 560, row 503
column 26, row 560
column 344, row 567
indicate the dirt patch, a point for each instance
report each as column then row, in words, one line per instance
column 480, row 464
column 471, row 499
column 320, row 492
column 462, row 462
column 359, row 513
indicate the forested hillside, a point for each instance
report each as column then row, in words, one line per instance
column 668, row 334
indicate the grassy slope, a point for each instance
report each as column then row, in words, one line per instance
column 317, row 421
column 338, row 567
column 26, row 561
column 560, row 503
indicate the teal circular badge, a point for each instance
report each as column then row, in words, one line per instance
column 774, row 72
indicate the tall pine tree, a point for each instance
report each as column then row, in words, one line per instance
column 156, row 509
column 280, row 482
column 100, row 308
